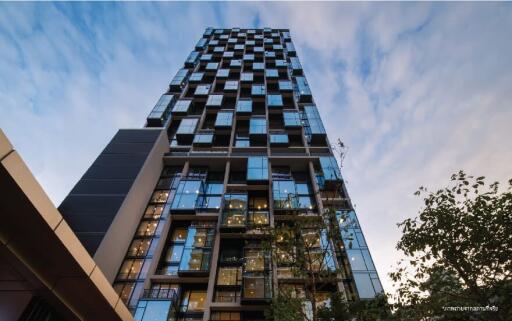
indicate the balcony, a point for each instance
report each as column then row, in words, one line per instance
column 156, row 305
column 256, row 288
column 233, row 221
column 160, row 294
column 195, row 262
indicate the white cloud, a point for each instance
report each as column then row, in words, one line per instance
column 417, row 91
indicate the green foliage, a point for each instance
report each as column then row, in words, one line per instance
column 285, row 308
column 459, row 253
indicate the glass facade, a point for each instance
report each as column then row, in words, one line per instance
column 364, row 273
column 224, row 119
column 244, row 106
column 257, row 168
column 161, row 111
column 245, row 131
column 258, row 126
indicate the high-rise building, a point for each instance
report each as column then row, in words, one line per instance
column 174, row 214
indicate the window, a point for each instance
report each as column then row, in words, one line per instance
column 257, row 218
column 193, row 301
column 160, row 112
column 258, row 66
column 275, row 101
column 330, row 168
column 291, row 119
column 159, row 196
column 206, row 57
column 277, row 47
column 283, row 192
column 202, row 90
column 212, row 66
column 192, row 58
column 257, row 126
column 218, row 49
column 254, row 261
column 211, row 197
column 205, row 139
column 229, row 276
column 313, row 122
column 235, row 63
column 214, row 101
column 295, row 63
column 172, row 255
column 290, row 47
column 225, row 316
column 139, row 247
column 239, row 47
column 231, row 85
column 269, row 54
column 180, row 78
column 289, row 194
column 235, row 207
column 130, row 269
column 281, row 63
column 244, row 106
column 224, row 119
column 186, row 194
column 152, row 310
column 258, row 49
column 222, row 73
column 196, row 77
column 242, row 141
column 228, row 54
column 285, row 85
column 271, row 73
column 124, row 290
column 153, row 212
column 303, row 86
column 257, row 203
column 367, row 284
column 246, row 77
column 257, row 168
column 278, row 139
column 201, row 43
column 197, row 251
column 254, row 287
column 187, row 126
column 258, row 90
column 248, row 57
column 227, row 296
column 182, row 106
column 147, row 228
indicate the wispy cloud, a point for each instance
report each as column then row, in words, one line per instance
column 417, row 91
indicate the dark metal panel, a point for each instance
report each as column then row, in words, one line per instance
column 95, row 200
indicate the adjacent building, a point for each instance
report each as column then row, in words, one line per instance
column 173, row 213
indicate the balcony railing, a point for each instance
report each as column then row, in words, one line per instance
column 160, row 294
column 256, row 287
column 233, row 220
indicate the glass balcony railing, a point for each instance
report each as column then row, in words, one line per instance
column 233, row 220
column 195, row 260
column 257, row 287
column 164, row 294
column 258, row 219
column 156, row 305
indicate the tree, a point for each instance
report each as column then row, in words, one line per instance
column 302, row 249
column 304, row 246
column 458, row 254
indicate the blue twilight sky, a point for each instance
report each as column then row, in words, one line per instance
column 416, row 90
